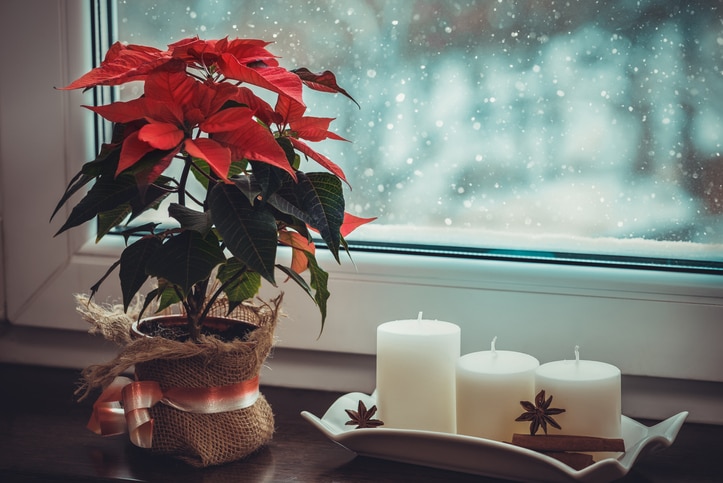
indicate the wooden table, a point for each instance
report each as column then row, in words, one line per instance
column 43, row 438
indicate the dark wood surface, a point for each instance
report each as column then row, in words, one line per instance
column 43, row 438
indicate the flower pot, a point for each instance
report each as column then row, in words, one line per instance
column 201, row 430
column 197, row 401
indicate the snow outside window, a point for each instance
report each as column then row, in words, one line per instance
column 567, row 127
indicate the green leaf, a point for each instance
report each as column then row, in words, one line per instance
column 240, row 283
column 285, row 206
column 268, row 178
column 320, row 283
column 202, row 171
column 291, row 155
column 248, row 186
column 108, row 194
column 151, row 198
column 249, row 232
column 111, row 198
column 191, row 219
column 167, row 295
column 319, row 280
column 139, row 230
column 110, row 219
column 105, row 163
column 97, row 284
column 321, row 196
column 133, row 263
column 286, row 200
column 298, row 279
column 150, row 296
column 186, row 258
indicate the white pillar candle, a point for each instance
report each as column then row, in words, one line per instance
column 415, row 374
column 588, row 391
column 490, row 386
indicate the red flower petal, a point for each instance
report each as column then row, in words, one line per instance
column 121, row 112
column 147, row 176
column 275, row 79
column 161, row 135
column 352, row 222
column 253, row 141
column 122, row 64
column 324, row 82
column 314, row 129
column 218, row 157
column 132, row 151
column 319, row 158
column 260, row 108
column 289, row 110
column 171, row 87
column 229, row 120
column 250, row 50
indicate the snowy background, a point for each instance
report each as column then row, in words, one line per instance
column 491, row 120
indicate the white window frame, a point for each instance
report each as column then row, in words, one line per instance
column 649, row 323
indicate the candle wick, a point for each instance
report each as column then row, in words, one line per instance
column 577, row 354
column 493, row 345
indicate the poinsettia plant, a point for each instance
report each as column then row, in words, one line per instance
column 200, row 109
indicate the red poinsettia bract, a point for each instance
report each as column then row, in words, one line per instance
column 185, row 90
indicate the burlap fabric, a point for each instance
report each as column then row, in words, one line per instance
column 198, row 439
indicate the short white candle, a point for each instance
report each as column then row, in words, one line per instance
column 415, row 374
column 588, row 391
column 490, row 386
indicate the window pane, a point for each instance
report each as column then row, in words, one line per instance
column 577, row 126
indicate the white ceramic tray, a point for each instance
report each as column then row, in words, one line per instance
column 482, row 456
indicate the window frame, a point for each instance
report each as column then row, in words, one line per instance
column 649, row 323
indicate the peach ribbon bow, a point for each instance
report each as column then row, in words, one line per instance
column 124, row 405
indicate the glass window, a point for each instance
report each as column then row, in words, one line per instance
column 531, row 129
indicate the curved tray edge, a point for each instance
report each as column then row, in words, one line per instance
column 462, row 453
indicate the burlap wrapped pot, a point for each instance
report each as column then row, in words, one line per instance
column 200, row 439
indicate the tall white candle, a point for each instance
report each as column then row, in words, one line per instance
column 415, row 374
column 490, row 386
column 588, row 391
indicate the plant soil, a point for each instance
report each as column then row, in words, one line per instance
column 226, row 330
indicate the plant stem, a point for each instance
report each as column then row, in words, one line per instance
column 187, row 162
column 195, row 302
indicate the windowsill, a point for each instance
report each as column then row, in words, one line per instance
column 45, row 439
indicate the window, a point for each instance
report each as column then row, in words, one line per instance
column 645, row 321
column 503, row 127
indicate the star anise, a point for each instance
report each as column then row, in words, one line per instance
column 363, row 417
column 540, row 413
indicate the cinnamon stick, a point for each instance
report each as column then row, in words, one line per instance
column 557, row 442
